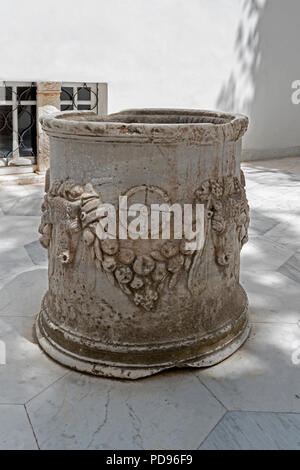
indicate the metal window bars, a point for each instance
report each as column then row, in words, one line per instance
column 78, row 96
column 18, row 114
column 17, row 123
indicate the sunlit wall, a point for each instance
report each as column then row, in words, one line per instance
column 238, row 55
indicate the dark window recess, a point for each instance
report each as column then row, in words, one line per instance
column 27, row 130
column 83, row 94
column 5, row 130
column 66, row 107
column 26, row 93
column 83, row 107
column 5, row 93
column 66, row 93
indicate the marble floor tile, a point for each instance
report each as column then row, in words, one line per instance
column 12, row 192
column 262, row 254
column 287, row 234
column 28, row 205
column 28, row 371
column 274, row 172
column 22, row 296
column 264, row 375
column 275, row 202
column 13, row 260
column 255, row 431
column 15, row 429
column 26, row 202
column 272, row 296
column 18, row 231
column 37, row 253
column 274, row 179
column 167, row 411
column 287, row 164
column 273, row 195
column 260, row 223
column 291, row 268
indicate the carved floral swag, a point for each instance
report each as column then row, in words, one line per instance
column 69, row 212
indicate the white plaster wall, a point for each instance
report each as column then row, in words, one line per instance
column 260, row 84
column 161, row 53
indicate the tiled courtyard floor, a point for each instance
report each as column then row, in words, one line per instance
column 250, row 401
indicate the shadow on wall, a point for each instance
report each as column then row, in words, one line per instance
column 259, row 85
column 238, row 92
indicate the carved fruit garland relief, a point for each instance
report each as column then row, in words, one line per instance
column 70, row 217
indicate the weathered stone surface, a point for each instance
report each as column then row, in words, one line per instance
column 130, row 308
column 48, row 102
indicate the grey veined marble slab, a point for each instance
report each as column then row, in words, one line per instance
column 27, row 371
column 15, row 430
column 168, row 411
column 37, row 253
column 28, row 205
column 262, row 254
column 264, row 375
column 255, row 431
column 22, row 295
column 291, row 269
column 273, row 297
column 13, row 260
column 16, row 231
column 287, row 233
column 261, row 222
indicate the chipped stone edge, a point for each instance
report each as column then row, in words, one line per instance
column 85, row 365
column 219, row 356
column 81, row 124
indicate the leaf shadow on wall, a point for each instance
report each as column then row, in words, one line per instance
column 266, row 64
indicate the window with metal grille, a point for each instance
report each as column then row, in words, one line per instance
column 81, row 96
column 18, row 114
column 17, row 123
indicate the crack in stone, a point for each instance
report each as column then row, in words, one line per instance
column 137, row 438
column 101, row 426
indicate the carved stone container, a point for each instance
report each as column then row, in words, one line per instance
column 131, row 308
